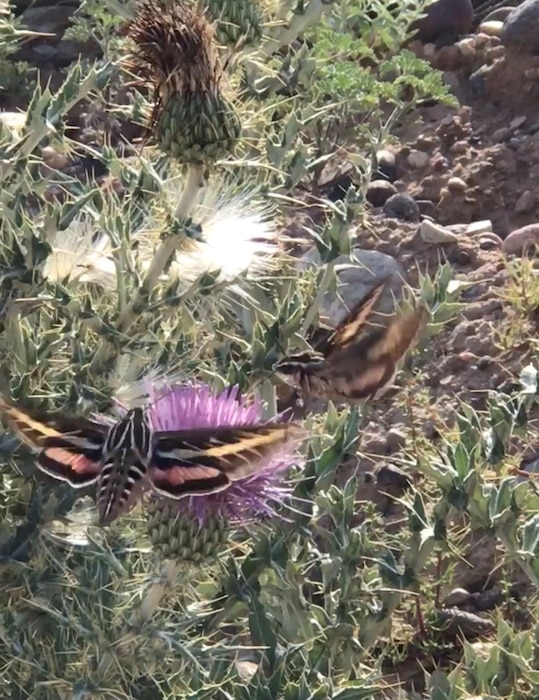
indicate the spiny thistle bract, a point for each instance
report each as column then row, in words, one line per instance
column 237, row 21
column 176, row 53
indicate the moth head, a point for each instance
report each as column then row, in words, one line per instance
column 293, row 367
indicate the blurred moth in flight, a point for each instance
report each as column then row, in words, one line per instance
column 359, row 360
column 124, row 457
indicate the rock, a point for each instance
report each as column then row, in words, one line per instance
column 456, row 623
column 497, row 15
column 489, row 241
column 355, row 277
column 466, row 48
column 393, row 480
column 501, row 134
column 445, row 17
column 525, row 202
column 387, row 166
column 402, row 206
column 53, row 159
column 426, row 207
column 379, row 191
column 456, row 184
column 418, row 159
column 458, row 596
column 473, row 229
column 522, row 240
column 521, row 28
column 396, row 438
column 434, row 233
column 491, row 28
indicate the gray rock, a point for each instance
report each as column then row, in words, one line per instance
column 402, row 206
column 379, row 191
column 521, row 28
column 445, row 17
column 387, row 166
column 355, row 277
column 458, row 596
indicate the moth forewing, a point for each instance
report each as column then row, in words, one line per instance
column 355, row 321
column 399, row 336
column 236, row 451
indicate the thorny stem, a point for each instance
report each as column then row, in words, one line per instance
column 194, row 180
column 322, row 289
column 285, row 35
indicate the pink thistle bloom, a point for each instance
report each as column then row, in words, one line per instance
column 178, row 407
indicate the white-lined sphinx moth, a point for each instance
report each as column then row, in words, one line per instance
column 126, row 457
column 356, row 362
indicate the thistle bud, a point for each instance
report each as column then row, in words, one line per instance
column 176, row 53
column 175, row 534
column 236, row 20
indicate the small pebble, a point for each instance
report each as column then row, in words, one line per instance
column 387, row 166
column 501, row 134
column 379, row 191
column 432, row 232
column 396, row 438
column 393, row 479
column 491, row 28
column 525, row 203
column 53, row 159
column 458, row 596
column 490, row 241
column 418, row 159
column 467, row 47
column 402, row 206
column 456, row 184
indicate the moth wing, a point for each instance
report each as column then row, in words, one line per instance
column 34, row 428
column 208, row 460
column 354, row 322
column 399, row 335
column 361, row 369
column 69, row 448
column 74, row 468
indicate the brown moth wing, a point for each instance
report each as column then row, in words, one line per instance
column 207, row 460
column 365, row 368
column 400, row 335
column 33, row 429
column 354, row 322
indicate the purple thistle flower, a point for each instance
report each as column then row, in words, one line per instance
column 177, row 407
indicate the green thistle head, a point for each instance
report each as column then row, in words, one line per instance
column 176, row 53
column 177, row 535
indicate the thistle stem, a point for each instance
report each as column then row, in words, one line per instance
column 194, row 180
column 319, row 298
